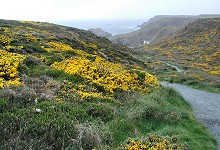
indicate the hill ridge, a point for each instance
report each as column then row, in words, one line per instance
column 194, row 47
column 157, row 29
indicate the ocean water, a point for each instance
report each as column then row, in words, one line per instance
column 114, row 27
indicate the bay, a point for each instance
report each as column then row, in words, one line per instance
column 114, row 27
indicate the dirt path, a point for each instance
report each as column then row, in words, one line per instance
column 173, row 66
column 206, row 106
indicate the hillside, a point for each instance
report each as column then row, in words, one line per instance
column 156, row 29
column 195, row 48
column 66, row 88
column 100, row 32
column 158, row 17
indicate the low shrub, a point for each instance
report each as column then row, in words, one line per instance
column 154, row 142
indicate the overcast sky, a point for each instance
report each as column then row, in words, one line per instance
column 57, row 10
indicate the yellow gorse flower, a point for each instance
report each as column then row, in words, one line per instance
column 57, row 46
column 9, row 63
column 5, row 40
column 110, row 76
column 153, row 142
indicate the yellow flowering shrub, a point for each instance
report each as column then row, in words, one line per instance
column 153, row 142
column 6, row 30
column 8, row 68
column 81, row 91
column 88, row 93
column 84, row 54
column 174, row 75
column 35, row 23
column 5, row 40
column 30, row 37
column 57, row 46
column 110, row 76
column 9, row 47
column 91, row 45
column 215, row 72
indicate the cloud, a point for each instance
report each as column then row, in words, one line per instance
column 49, row 10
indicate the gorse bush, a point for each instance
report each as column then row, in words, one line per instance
column 9, row 63
column 154, row 142
column 57, row 46
column 110, row 76
column 5, row 40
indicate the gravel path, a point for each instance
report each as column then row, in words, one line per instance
column 206, row 106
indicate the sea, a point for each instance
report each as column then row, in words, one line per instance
column 115, row 27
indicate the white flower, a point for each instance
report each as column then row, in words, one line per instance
column 36, row 101
column 38, row 110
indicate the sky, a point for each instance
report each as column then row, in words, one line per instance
column 61, row 10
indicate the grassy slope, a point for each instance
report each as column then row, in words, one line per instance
column 99, row 124
column 68, row 121
column 156, row 29
column 76, row 38
column 194, row 49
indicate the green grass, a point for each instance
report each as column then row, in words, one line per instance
column 164, row 73
column 163, row 112
column 98, row 124
column 202, row 86
column 190, row 81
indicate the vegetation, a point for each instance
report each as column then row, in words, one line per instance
column 156, row 29
column 153, row 142
column 196, row 50
column 65, row 88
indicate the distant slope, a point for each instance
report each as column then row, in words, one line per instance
column 100, row 32
column 159, row 17
column 195, row 46
column 156, row 29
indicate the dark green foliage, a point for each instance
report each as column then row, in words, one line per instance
column 55, row 123
column 31, row 62
column 59, row 124
column 33, row 47
column 100, row 110
column 40, row 70
column 3, row 104
column 141, row 75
